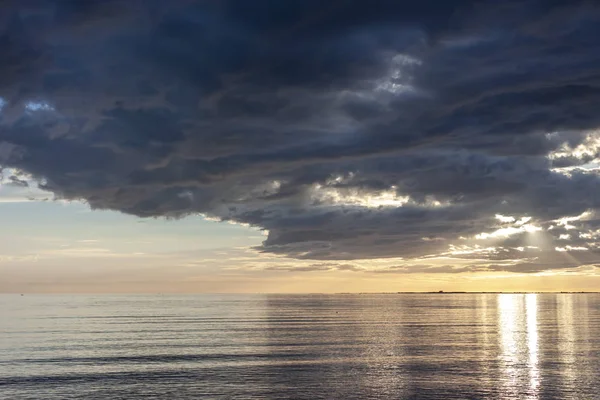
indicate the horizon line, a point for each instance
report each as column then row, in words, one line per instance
column 299, row 293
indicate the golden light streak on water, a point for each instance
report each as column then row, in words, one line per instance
column 531, row 310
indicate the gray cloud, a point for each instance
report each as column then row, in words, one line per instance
column 348, row 131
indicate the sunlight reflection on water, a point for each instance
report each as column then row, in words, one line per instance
column 518, row 327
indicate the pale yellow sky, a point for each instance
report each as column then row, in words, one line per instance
column 66, row 248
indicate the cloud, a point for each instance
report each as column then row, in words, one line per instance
column 15, row 187
column 313, row 267
column 346, row 131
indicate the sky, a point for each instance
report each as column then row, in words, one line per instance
column 299, row 146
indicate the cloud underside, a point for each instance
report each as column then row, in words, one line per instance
column 347, row 131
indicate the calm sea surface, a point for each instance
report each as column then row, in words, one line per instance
column 448, row 346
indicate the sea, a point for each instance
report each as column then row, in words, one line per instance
column 343, row 346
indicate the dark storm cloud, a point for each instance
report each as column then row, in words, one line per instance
column 347, row 129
